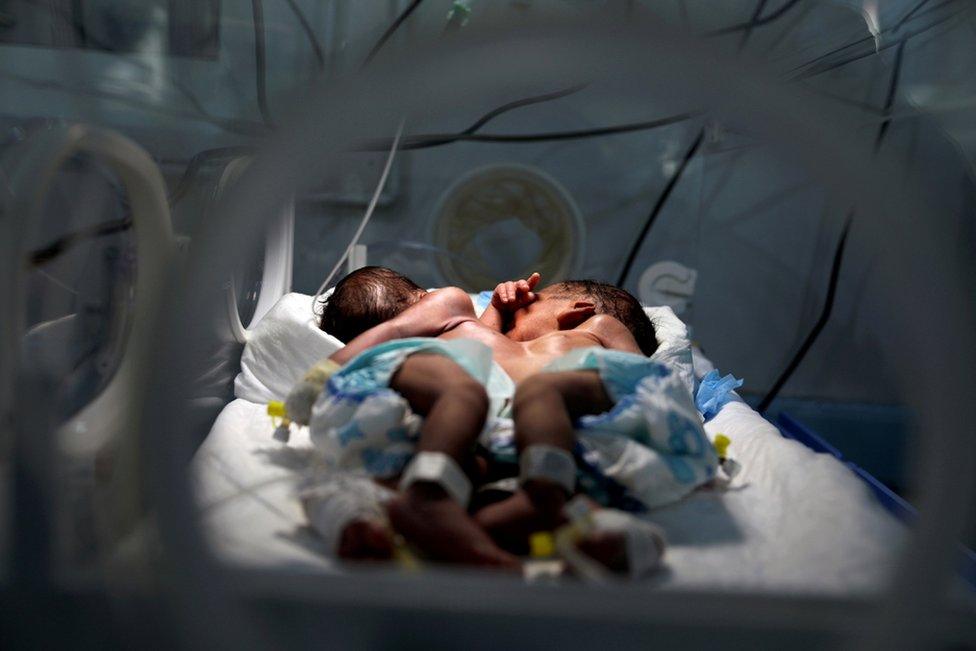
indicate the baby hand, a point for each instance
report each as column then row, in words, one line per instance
column 513, row 294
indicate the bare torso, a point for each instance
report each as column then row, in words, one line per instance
column 449, row 314
column 520, row 359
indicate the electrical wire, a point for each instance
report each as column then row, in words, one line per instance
column 390, row 31
column 892, row 92
column 819, row 70
column 374, row 200
column 839, row 253
column 519, row 103
column 828, row 308
column 309, row 32
column 260, row 61
column 755, row 22
column 44, row 255
column 747, row 34
column 871, row 39
column 659, row 206
column 426, row 141
column 911, row 12
column 434, row 140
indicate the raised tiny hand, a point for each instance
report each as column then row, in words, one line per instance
column 513, row 294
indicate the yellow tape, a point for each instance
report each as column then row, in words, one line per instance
column 542, row 544
column 276, row 409
column 721, row 444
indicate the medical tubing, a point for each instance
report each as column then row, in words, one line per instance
column 659, row 206
column 374, row 200
column 818, row 327
column 816, row 134
column 390, row 31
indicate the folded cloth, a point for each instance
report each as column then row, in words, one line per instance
column 648, row 450
column 359, row 423
column 714, row 392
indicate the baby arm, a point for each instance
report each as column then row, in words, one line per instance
column 508, row 297
column 431, row 316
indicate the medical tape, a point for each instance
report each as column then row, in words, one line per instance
column 440, row 469
column 644, row 542
column 548, row 463
column 332, row 506
column 303, row 395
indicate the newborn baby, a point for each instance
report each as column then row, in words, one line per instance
column 589, row 339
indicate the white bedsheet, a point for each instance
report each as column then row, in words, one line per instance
column 792, row 520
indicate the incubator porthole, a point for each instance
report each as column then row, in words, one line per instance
column 81, row 283
column 247, row 287
column 505, row 221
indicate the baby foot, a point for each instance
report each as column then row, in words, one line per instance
column 608, row 548
column 622, row 543
column 511, row 521
column 365, row 540
column 440, row 527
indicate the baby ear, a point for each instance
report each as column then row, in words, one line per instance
column 570, row 317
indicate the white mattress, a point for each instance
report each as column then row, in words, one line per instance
column 791, row 521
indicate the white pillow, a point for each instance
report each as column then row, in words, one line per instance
column 673, row 346
column 283, row 345
column 287, row 341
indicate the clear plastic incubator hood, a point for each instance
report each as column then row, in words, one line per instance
column 787, row 187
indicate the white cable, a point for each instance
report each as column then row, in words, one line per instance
column 369, row 213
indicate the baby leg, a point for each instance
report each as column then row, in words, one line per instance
column 454, row 407
column 544, row 408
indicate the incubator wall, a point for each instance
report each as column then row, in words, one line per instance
column 206, row 88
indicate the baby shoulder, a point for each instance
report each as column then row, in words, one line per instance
column 603, row 323
column 451, row 301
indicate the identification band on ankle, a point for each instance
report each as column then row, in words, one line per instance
column 440, row 469
column 548, row 463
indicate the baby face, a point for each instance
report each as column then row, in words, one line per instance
column 538, row 318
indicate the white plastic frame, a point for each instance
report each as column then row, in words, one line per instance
column 277, row 272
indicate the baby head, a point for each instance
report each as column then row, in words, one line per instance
column 366, row 298
column 565, row 305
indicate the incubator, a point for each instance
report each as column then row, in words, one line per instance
column 787, row 187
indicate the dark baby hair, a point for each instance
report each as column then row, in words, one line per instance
column 616, row 302
column 366, row 298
